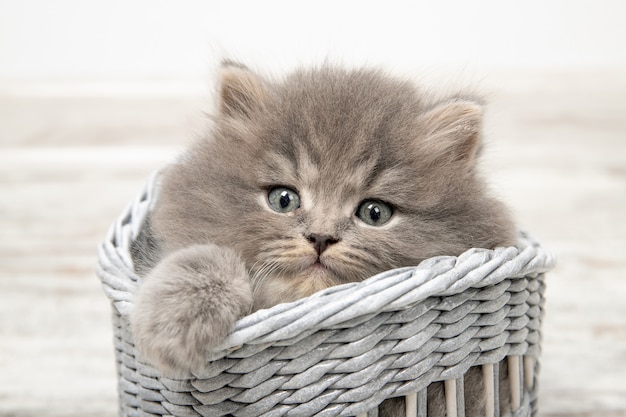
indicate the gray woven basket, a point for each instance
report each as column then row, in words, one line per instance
column 344, row 350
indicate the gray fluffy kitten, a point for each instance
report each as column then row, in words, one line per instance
column 325, row 177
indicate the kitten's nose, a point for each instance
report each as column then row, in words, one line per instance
column 321, row 242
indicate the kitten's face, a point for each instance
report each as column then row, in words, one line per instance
column 330, row 177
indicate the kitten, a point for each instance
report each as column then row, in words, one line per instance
column 326, row 177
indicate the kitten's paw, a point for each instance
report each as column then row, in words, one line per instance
column 189, row 303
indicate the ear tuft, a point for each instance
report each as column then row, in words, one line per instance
column 454, row 130
column 241, row 90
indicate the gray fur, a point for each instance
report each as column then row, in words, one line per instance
column 209, row 280
column 337, row 137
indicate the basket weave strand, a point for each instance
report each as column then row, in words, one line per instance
column 344, row 350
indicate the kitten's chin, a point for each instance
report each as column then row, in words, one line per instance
column 284, row 289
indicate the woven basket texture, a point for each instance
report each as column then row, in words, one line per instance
column 342, row 351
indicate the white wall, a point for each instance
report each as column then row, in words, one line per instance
column 156, row 38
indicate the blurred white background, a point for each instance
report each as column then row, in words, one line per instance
column 179, row 39
column 95, row 95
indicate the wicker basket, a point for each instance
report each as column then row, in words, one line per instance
column 342, row 351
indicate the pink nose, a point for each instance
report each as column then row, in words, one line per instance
column 321, row 242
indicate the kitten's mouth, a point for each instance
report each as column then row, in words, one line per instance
column 323, row 271
column 318, row 265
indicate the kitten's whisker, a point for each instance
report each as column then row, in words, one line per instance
column 356, row 265
column 262, row 274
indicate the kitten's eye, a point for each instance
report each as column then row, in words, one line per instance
column 374, row 213
column 283, row 200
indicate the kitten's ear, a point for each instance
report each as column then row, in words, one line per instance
column 454, row 130
column 241, row 90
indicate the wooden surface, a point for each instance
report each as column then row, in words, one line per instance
column 69, row 164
